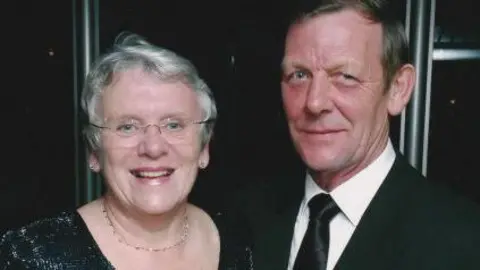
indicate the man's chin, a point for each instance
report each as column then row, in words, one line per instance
column 322, row 163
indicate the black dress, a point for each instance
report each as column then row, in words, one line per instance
column 64, row 242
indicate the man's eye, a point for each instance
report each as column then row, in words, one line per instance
column 299, row 74
column 127, row 128
column 296, row 76
column 348, row 77
column 345, row 80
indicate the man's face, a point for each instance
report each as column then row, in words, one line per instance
column 333, row 91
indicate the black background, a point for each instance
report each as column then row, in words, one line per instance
column 236, row 46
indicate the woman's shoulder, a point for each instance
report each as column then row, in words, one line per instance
column 41, row 230
column 44, row 242
column 33, row 239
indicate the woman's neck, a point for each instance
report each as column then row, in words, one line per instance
column 144, row 231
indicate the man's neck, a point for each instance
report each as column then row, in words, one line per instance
column 329, row 180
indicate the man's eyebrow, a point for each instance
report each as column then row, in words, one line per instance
column 342, row 63
column 288, row 63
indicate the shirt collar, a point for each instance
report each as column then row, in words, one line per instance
column 355, row 194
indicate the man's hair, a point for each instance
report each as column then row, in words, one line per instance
column 386, row 12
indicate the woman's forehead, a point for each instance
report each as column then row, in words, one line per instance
column 135, row 92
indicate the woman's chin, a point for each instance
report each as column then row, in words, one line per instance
column 157, row 206
column 152, row 182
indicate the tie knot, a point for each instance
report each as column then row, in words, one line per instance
column 323, row 207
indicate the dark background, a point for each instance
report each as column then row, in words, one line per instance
column 236, row 46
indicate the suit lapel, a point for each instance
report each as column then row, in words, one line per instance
column 272, row 247
column 370, row 245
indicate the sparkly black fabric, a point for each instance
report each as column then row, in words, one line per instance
column 64, row 242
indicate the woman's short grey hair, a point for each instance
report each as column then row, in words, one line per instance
column 132, row 51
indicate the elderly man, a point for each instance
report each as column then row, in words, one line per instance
column 359, row 205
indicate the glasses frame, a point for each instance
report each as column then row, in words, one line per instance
column 159, row 127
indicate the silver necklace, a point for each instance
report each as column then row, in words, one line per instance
column 122, row 240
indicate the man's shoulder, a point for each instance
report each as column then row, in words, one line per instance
column 235, row 241
column 445, row 221
column 443, row 202
column 436, row 205
column 433, row 192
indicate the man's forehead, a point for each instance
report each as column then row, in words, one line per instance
column 333, row 28
column 323, row 58
column 321, row 43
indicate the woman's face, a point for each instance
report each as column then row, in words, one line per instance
column 153, row 168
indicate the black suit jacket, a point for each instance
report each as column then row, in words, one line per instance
column 411, row 223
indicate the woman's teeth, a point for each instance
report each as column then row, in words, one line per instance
column 152, row 174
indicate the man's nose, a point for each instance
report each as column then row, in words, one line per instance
column 318, row 97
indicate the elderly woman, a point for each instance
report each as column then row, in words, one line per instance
column 150, row 121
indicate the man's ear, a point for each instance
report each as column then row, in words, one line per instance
column 401, row 89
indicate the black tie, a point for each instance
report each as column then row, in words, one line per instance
column 313, row 252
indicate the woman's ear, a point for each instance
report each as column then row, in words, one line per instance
column 204, row 157
column 93, row 162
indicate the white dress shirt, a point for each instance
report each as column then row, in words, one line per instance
column 352, row 197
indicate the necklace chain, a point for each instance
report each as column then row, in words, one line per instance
column 122, row 240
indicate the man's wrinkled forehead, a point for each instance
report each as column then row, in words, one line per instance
column 333, row 40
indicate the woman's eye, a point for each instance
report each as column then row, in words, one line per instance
column 127, row 128
column 174, row 125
